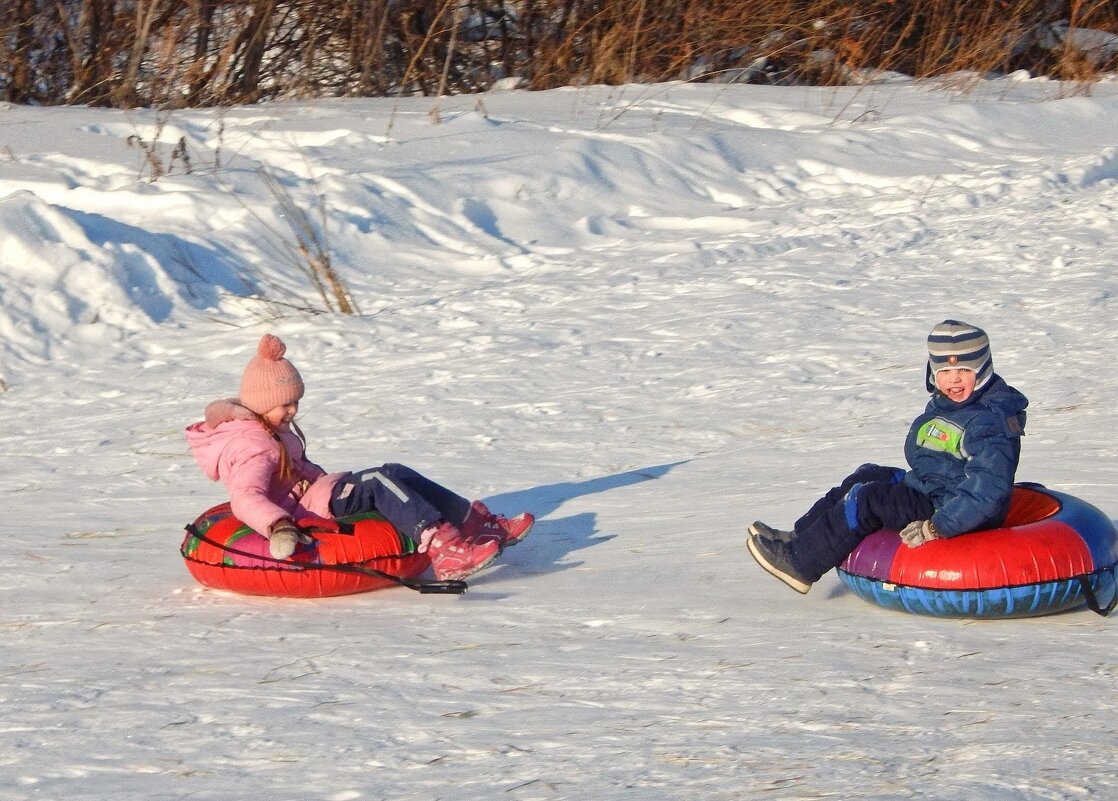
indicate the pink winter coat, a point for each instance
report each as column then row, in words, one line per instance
column 232, row 446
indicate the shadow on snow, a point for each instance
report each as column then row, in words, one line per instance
column 554, row 539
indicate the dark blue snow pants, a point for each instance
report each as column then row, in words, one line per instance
column 873, row 497
column 409, row 501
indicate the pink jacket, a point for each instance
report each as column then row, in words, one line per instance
column 230, row 445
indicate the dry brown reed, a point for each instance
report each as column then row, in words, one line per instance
column 172, row 54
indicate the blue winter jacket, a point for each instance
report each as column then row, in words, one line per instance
column 964, row 456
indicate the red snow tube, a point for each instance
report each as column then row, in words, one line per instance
column 1053, row 553
column 222, row 552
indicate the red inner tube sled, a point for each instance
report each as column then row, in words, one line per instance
column 1054, row 552
column 223, row 553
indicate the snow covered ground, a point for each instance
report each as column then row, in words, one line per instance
column 650, row 314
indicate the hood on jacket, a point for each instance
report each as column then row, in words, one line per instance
column 226, row 421
column 226, row 409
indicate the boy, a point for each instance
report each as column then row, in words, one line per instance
column 963, row 453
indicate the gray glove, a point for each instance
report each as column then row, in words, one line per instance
column 918, row 532
column 283, row 539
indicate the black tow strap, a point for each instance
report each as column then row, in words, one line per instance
column 1093, row 599
column 422, row 586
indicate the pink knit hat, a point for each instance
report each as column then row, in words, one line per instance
column 270, row 380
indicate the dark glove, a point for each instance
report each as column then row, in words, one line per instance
column 918, row 532
column 283, row 539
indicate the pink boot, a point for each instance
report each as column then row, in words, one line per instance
column 454, row 555
column 482, row 523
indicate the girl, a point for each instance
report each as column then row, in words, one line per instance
column 252, row 445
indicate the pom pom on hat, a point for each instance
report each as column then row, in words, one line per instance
column 269, row 379
column 955, row 345
column 271, row 348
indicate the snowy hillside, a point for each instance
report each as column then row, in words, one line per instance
column 649, row 314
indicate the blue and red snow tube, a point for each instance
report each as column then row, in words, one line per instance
column 1055, row 552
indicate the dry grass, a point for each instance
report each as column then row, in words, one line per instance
column 308, row 248
column 170, row 54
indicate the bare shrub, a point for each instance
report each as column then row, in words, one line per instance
column 307, row 248
column 175, row 53
column 156, row 160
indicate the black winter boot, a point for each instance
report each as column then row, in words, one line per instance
column 775, row 557
column 770, row 533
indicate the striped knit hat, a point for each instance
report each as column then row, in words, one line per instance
column 957, row 345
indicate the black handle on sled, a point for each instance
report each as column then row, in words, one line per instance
column 1092, row 598
column 449, row 587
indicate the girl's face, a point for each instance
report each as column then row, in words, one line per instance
column 280, row 417
column 957, row 384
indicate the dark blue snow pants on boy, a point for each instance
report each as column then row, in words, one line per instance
column 873, row 497
column 409, row 501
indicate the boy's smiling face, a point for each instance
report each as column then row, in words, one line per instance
column 956, row 383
